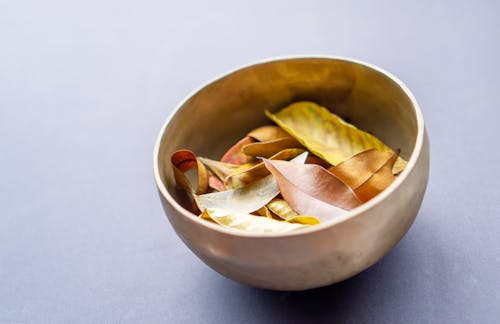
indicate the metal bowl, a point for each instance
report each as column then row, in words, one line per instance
column 224, row 110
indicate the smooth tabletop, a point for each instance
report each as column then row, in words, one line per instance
column 85, row 86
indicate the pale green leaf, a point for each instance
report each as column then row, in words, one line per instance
column 246, row 199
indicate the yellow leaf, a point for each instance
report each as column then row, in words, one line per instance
column 306, row 220
column 264, row 211
column 326, row 134
column 249, row 223
column 281, row 208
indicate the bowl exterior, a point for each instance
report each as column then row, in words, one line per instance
column 314, row 259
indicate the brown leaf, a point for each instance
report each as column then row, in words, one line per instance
column 311, row 190
column 360, row 167
column 367, row 173
column 269, row 148
column 268, row 133
column 380, row 180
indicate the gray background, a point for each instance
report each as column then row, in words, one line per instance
column 86, row 85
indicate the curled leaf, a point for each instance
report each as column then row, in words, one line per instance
column 326, row 134
column 248, row 223
column 246, row 199
column 311, row 190
column 184, row 161
column 235, row 156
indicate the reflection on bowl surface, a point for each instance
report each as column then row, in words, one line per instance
column 226, row 109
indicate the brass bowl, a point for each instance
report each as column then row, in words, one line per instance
column 224, row 110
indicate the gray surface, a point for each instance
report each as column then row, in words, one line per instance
column 86, row 85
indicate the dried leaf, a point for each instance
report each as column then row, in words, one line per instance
column 221, row 169
column 271, row 140
column 367, row 173
column 311, row 159
column 306, row 220
column 268, row 133
column 247, row 199
column 360, row 167
column 215, row 183
column 248, row 223
column 235, row 156
column 269, row 148
column 243, row 176
column 325, row 134
column 184, row 161
column 264, row 211
column 311, row 190
column 380, row 180
column 313, row 180
column 281, row 208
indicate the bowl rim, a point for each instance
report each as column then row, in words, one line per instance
column 316, row 228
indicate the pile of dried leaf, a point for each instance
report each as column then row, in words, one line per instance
column 310, row 168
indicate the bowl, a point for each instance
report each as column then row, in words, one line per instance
column 223, row 111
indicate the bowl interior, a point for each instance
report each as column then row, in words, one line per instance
column 219, row 114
